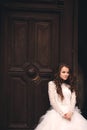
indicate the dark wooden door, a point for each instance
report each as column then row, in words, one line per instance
column 31, row 50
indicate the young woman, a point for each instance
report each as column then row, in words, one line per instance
column 63, row 115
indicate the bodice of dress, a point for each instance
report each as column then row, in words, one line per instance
column 66, row 93
column 65, row 105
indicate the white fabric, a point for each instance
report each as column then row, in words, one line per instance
column 53, row 119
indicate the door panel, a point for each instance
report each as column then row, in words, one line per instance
column 32, row 40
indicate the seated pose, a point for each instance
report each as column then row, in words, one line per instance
column 63, row 115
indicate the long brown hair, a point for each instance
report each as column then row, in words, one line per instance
column 70, row 81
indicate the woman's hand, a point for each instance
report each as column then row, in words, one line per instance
column 68, row 115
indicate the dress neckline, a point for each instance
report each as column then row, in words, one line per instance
column 65, row 85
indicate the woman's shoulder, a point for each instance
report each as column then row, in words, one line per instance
column 51, row 84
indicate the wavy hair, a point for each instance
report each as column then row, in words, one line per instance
column 70, row 81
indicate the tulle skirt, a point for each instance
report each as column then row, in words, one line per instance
column 53, row 121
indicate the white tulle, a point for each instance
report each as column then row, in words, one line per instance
column 54, row 121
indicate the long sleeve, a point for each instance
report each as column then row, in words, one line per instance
column 55, row 100
column 73, row 101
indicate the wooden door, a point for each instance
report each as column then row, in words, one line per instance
column 30, row 51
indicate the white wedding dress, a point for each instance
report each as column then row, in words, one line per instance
column 53, row 119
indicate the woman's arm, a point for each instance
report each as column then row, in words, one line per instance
column 73, row 101
column 68, row 115
column 55, row 101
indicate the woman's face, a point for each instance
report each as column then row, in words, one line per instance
column 64, row 73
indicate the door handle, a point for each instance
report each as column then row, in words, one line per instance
column 33, row 74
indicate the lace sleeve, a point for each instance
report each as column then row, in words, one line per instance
column 73, row 101
column 54, row 101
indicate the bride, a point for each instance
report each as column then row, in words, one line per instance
column 63, row 115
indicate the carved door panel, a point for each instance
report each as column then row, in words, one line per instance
column 31, row 54
column 34, row 39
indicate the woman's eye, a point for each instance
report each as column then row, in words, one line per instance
column 63, row 72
